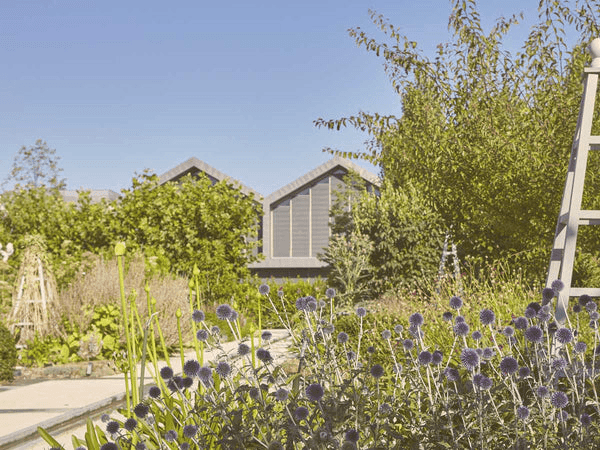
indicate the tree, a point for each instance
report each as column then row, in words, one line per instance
column 485, row 135
column 36, row 166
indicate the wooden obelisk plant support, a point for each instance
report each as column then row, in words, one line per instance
column 33, row 309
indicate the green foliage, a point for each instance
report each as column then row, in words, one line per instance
column 485, row 135
column 8, row 354
column 36, row 166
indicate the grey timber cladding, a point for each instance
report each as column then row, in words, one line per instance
column 281, row 229
column 320, row 216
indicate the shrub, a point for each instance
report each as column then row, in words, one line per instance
column 8, row 354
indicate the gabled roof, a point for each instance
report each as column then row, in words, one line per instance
column 323, row 169
column 194, row 165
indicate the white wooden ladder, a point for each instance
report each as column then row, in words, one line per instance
column 571, row 215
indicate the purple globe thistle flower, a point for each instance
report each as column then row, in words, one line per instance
column 352, row 435
column 243, row 349
column 314, row 392
column 280, row 293
column 563, row 416
column 264, row 355
column 105, row 418
column 154, row 392
column 198, row 316
column 593, row 324
column 461, row 329
column 594, row 315
column 301, row 413
column 254, row 393
column 234, row 315
column 584, row 299
column 330, row 292
column 166, row 373
column 447, row 316
column 530, row 313
column 113, row 427
column 361, row 312
column 171, row 436
column 456, row 302
column 223, row 369
column 487, row 317
column 488, row 353
column 482, row 382
column 559, row 400
column 281, row 394
column 416, row 332
column 437, row 357
column 542, row 391
column 311, row 305
column 377, row 371
column 459, row 319
column 469, row 359
column 322, row 304
column 224, row 311
column 576, row 308
column 558, row 364
column 329, row 328
column 188, row 382
column 109, row 446
column 424, row 358
column 580, row 347
column 189, row 431
column 301, row 303
column 535, row 305
column 408, row 344
column 508, row 331
column 202, row 335
column 205, row 374
column 585, row 420
column 534, row 334
column 386, row 334
column 520, row 323
column 509, row 365
column 351, row 355
column 416, row 319
column 175, row 383
column 558, row 285
column 523, row 412
column 215, row 330
column 141, row 410
column 264, row 289
column 547, row 294
column 142, row 446
column 191, row 368
column 342, row 337
column 524, row 372
column 266, row 335
column 591, row 306
column 398, row 329
column 130, row 424
column 476, row 335
column 544, row 314
column 451, row 374
column 479, row 352
column 370, row 349
column 564, row 335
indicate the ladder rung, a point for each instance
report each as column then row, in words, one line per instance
column 578, row 292
column 586, row 217
column 594, row 140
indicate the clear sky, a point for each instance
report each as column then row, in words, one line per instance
column 117, row 86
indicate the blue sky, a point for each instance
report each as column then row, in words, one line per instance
column 119, row 86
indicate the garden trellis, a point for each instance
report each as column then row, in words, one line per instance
column 571, row 215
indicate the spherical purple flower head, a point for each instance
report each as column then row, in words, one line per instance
column 488, row 353
column 534, row 334
column 508, row 331
column 447, row 316
column 594, row 315
column 301, row 413
column 509, row 365
column 109, row 446
column 330, row 292
column 198, row 316
column 314, row 392
column 361, row 312
column 558, row 364
column 175, row 384
column 530, row 313
column 559, row 400
column 281, row 394
column 189, row 431
column 264, row 355
column 416, row 319
column 171, row 436
column 564, row 335
column 563, row 416
column 154, row 392
column 544, row 314
column 408, row 344
column 130, row 424
column 370, row 349
column 386, row 334
column 234, row 315
column 311, row 304
column 456, row 302
column 398, row 329
column 542, row 391
column 585, row 420
column 522, row 412
column 264, row 289
column 520, row 323
column 482, row 382
column 577, row 308
column 476, row 335
column 112, row 427
column 524, row 372
column 416, row 332
column 224, row 311
column 301, row 303
column 487, row 317
column 191, row 368
column 105, row 418
column 254, row 393
column 580, row 347
column 591, row 306
column 205, row 374
column 461, row 329
column 166, row 373
column 437, row 357
column 202, row 335
column 469, row 359
column 479, row 352
column 342, row 337
column 425, row 358
column 215, row 330
column 223, row 369
column 352, row 435
column 322, row 304
column 351, row 355
column 141, row 410
column 188, row 382
column 451, row 374
column 377, row 371
column 243, row 349
column 266, row 335
column 141, row 446
column 547, row 295
column 584, row 299
column 557, row 285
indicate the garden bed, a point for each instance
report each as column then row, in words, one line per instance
column 28, row 375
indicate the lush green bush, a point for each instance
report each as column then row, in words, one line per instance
column 8, row 354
